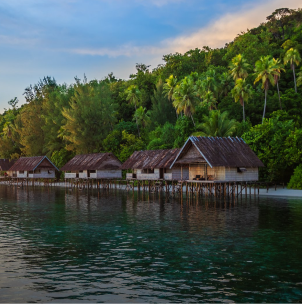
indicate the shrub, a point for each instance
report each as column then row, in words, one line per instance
column 296, row 179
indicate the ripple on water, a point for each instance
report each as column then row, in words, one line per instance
column 58, row 246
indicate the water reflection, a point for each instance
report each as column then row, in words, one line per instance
column 66, row 245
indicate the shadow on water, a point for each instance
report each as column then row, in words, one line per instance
column 64, row 245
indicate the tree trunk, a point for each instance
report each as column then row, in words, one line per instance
column 264, row 106
column 243, row 110
column 279, row 95
column 136, row 121
column 193, row 120
column 294, row 78
column 137, row 127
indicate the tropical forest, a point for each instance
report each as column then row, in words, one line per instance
column 250, row 88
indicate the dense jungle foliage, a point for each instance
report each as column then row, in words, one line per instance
column 250, row 88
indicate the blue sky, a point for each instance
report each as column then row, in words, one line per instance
column 67, row 38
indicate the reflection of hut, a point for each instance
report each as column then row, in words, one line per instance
column 216, row 158
column 96, row 165
column 151, row 165
column 33, row 167
column 5, row 164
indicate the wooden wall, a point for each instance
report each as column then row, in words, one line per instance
column 251, row 174
column 109, row 173
column 176, row 173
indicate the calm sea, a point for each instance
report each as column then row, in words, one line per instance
column 68, row 246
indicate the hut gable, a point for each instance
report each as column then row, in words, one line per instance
column 190, row 156
column 32, row 163
column 5, row 164
column 219, row 152
column 150, row 159
column 95, row 161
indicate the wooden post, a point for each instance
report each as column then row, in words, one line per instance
column 245, row 189
column 206, row 172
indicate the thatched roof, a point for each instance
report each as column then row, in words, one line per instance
column 150, row 159
column 95, row 161
column 32, row 163
column 221, row 151
column 5, row 164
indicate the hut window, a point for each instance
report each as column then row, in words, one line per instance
column 240, row 170
column 49, row 171
column 81, row 171
column 92, row 171
column 21, row 172
column 31, row 172
column 148, row 171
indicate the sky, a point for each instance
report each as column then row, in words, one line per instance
column 69, row 38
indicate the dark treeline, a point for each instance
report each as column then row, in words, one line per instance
column 249, row 88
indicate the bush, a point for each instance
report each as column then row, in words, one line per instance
column 296, row 179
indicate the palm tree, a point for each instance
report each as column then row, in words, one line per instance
column 169, row 86
column 133, row 96
column 278, row 67
column 210, row 82
column 293, row 57
column 299, row 79
column 209, row 100
column 239, row 67
column 185, row 97
column 217, row 124
column 226, row 84
column 242, row 92
column 265, row 72
column 141, row 117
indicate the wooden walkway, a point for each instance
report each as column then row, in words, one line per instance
column 213, row 188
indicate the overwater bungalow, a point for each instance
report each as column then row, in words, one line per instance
column 5, row 164
column 95, row 166
column 32, row 167
column 152, row 165
column 217, row 159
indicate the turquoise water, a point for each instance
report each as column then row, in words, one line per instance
column 80, row 247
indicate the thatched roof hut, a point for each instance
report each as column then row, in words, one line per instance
column 218, row 158
column 5, row 164
column 153, row 164
column 96, row 165
column 33, row 167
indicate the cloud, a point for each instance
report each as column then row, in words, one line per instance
column 216, row 34
column 10, row 40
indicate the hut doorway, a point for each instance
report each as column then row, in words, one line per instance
column 161, row 173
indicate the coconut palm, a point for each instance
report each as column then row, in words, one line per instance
column 278, row 67
column 264, row 71
column 239, row 67
column 226, row 84
column 169, row 86
column 217, row 124
column 293, row 57
column 242, row 92
column 185, row 98
column 299, row 79
column 210, row 82
column 141, row 117
column 209, row 100
column 133, row 96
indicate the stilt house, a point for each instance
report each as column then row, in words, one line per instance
column 217, row 158
column 151, row 165
column 5, row 164
column 96, row 165
column 33, row 167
